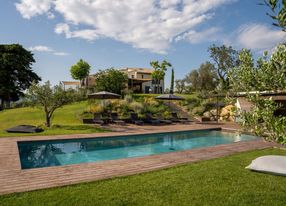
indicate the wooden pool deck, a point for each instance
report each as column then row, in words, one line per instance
column 14, row 179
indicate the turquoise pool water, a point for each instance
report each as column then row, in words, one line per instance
column 35, row 154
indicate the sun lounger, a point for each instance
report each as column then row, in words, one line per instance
column 151, row 120
column 135, row 120
column 24, row 129
column 162, row 120
column 175, row 118
column 97, row 118
column 114, row 119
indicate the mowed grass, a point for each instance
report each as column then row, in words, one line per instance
column 222, row 182
column 67, row 120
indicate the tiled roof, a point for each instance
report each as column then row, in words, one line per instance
column 139, row 70
column 70, row 83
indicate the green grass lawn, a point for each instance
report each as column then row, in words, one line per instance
column 67, row 118
column 222, row 181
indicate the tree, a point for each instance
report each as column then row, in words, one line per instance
column 50, row 98
column 172, row 81
column 110, row 80
column 180, row 85
column 207, row 77
column 225, row 58
column 266, row 75
column 204, row 78
column 193, row 79
column 16, row 74
column 80, row 71
column 278, row 9
column 159, row 72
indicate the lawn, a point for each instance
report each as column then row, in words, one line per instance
column 66, row 120
column 222, row 181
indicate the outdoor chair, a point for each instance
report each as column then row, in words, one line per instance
column 135, row 120
column 162, row 120
column 114, row 119
column 97, row 119
column 175, row 118
column 151, row 120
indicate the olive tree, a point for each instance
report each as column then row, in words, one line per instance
column 268, row 74
column 49, row 98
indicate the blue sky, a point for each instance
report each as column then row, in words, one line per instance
column 132, row 33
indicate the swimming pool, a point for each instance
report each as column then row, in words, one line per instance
column 36, row 154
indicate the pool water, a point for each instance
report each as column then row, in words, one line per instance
column 35, row 154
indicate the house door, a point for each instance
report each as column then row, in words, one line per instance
column 147, row 89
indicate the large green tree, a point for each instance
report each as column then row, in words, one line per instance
column 203, row 79
column 159, row 72
column 180, row 85
column 48, row 97
column 266, row 75
column 224, row 58
column 278, row 12
column 80, row 71
column 16, row 74
column 111, row 80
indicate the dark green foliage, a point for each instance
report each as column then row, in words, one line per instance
column 222, row 181
column 80, row 70
column 172, row 81
column 266, row 75
column 111, row 80
column 180, row 85
column 225, row 58
column 16, row 74
column 278, row 12
column 202, row 79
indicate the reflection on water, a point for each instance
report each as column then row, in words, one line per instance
column 64, row 152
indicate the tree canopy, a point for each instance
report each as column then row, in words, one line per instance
column 48, row 97
column 202, row 79
column 80, row 70
column 266, row 75
column 225, row 58
column 110, row 80
column 16, row 74
column 159, row 72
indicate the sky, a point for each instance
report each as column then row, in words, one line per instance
column 131, row 33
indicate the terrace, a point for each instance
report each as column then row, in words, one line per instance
column 14, row 179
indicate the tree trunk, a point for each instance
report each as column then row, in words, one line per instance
column 48, row 120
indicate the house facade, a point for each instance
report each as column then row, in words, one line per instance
column 70, row 85
column 139, row 81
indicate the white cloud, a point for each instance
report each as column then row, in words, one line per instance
column 211, row 34
column 145, row 24
column 42, row 48
column 30, row 8
column 258, row 36
column 61, row 53
column 87, row 34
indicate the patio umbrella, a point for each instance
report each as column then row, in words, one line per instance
column 103, row 95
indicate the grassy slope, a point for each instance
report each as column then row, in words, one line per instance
column 222, row 181
column 67, row 117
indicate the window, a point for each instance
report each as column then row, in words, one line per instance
column 142, row 76
column 132, row 76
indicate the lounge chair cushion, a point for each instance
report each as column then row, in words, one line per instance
column 273, row 164
column 24, row 129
